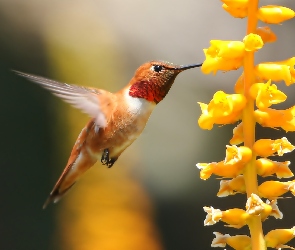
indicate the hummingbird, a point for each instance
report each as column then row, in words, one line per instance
column 117, row 119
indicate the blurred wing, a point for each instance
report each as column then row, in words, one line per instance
column 85, row 99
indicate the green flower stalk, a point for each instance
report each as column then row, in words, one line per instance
column 250, row 104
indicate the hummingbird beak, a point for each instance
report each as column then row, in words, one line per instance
column 181, row 68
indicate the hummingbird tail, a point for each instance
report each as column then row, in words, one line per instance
column 55, row 196
column 79, row 162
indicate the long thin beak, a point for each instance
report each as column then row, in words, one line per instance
column 189, row 66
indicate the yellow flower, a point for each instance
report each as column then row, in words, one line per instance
column 234, row 217
column 255, row 206
column 268, row 147
column 236, row 154
column 223, row 55
column 274, row 14
column 266, row 34
column 253, row 42
column 278, row 237
column 236, row 11
column 273, row 118
column 222, row 109
column 224, row 104
column 277, row 71
column 220, row 169
column 237, row 242
column 237, row 3
column 266, row 94
column 232, row 166
column 275, row 189
column 266, row 167
column 231, row 187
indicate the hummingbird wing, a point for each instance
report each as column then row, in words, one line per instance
column 83, row 98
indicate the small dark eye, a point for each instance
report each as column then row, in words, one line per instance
column 157, row 68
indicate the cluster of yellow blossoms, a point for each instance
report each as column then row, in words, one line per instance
column 242, row 164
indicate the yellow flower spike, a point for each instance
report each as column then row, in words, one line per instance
column 238, row 136
column 220, row 169
column 279, row 237
column 237, row 242
column 266, row 34
column 253, row 42
column 275, row 72
column 273, row 189
column 266, row 94
column 236, row 154
column 227, row 55
column 273, row 118
column 268, row 147
column 266, row 167
column 234, row 217
column 231, row 187
column 236, row 11
column 274, row 14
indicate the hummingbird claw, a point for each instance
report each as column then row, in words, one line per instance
column 111, row 162
column 106, row 160
column 105, row 157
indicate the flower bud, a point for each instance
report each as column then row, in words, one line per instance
column 273, row 189
column 268, row 147
column 236, row 12
column 266, row 167
column 273, row 118
column 278, row 237
column 266, row 34
column 274, row 14
column 252, row 42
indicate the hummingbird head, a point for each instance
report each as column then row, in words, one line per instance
column 153, row 80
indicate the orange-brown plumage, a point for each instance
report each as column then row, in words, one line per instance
column 117, row 119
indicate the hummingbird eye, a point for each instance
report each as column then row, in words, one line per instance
column 157, row 68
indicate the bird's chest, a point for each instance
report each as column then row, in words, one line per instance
column 126, row 124
column 132, row 118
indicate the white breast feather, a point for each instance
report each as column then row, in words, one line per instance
column 138, row 105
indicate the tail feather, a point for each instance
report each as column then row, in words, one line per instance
column 79, row 161
column 55, row 196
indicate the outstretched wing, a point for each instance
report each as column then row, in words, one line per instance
column 83, row 98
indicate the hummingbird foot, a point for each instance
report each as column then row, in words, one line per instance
column 106, row 160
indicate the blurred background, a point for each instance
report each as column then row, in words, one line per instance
column 152, row 198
